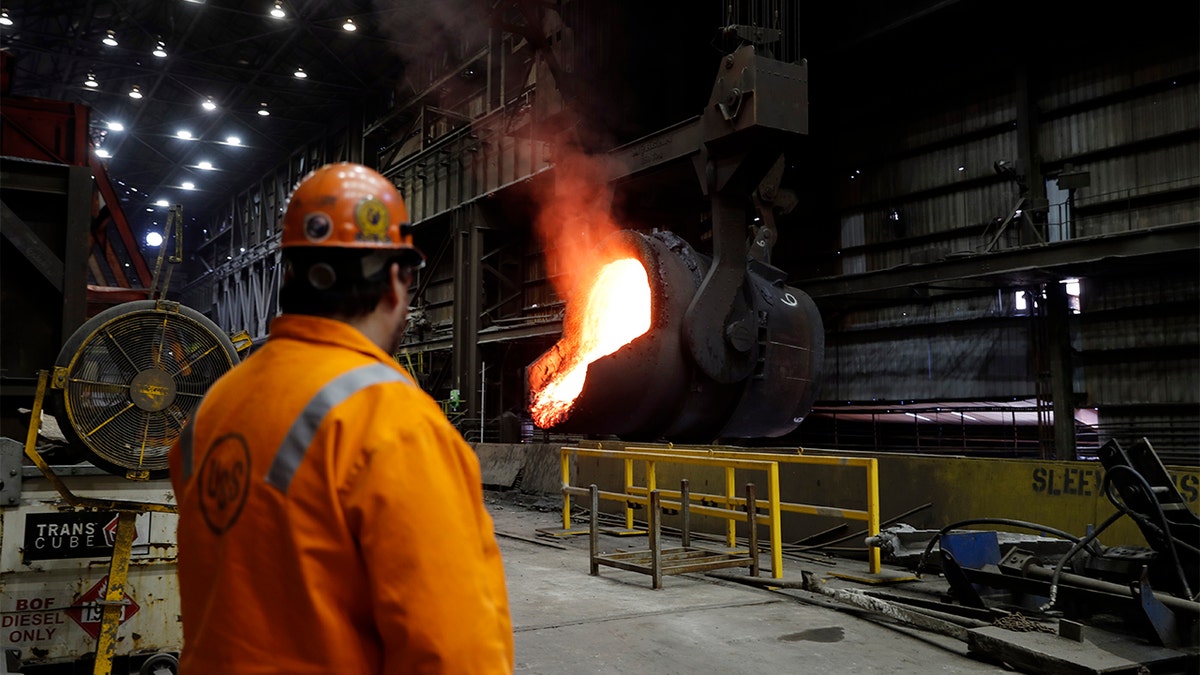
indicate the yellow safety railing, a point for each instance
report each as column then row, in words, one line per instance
column 653, row 459
column 870, row 515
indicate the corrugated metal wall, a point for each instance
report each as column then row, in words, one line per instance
column 916, row 183
column 965, row 348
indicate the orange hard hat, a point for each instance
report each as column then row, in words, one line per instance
column 347, row 205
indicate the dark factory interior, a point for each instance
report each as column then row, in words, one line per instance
column 929, row 229
column 891, row 197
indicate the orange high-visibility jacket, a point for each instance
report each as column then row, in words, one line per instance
column 331, row 520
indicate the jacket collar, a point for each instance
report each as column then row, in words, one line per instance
column 319, row 330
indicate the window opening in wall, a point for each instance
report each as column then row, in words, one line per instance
column 1058, row 218
column 1021, row 298
column 1072, row 294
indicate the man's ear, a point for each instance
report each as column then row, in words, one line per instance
column 397, row 290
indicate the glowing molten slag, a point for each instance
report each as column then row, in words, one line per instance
column 616, row 311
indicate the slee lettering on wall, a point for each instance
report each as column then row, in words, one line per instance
column 1086, row 482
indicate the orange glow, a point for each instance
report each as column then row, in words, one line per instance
column 616, row 311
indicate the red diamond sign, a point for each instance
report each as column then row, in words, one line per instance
column 110, row 531
column 87, row 612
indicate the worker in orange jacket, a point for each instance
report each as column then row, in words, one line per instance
column 331, row 519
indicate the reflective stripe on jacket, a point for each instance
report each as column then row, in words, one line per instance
column 332, row 520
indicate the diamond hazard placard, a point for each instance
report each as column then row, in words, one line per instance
column 87, row 611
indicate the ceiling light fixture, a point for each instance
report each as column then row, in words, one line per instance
column 116, row 126
column 91, row 81
column 161, row 202
column 207, row 166
column 136, row 92
column 101, row 152
column 233, row 140
column 300, row 74
column 208, row 104
column 110, row 38
column 277, row 10
column 5, row 20
column 184, row 134
column 263, row 110
column 153, row 239
column 188, row 185
column 349, row 26
column 160, row 50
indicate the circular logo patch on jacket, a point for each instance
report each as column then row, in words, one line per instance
column 224, row 482
column 371, row 216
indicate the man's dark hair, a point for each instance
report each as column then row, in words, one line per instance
column 325, row 281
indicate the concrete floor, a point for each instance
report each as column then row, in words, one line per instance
column 566, row 621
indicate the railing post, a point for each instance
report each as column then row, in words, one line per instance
column 594, row 530
column 564, row 455
column 776, row 534
column 730, row 501
column 752, row 521
column 685, row 512
column 628, row 504
column 655, row 534
column 874, row 565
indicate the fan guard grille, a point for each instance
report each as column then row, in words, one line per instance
column 137, row 378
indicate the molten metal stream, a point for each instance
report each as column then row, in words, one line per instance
column 616, row 311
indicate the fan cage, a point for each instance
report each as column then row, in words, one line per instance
column 98, row 393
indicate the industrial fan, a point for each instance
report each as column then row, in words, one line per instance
column 131, row 376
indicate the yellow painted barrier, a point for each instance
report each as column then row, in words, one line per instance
column 652, row 459
column 870, row 515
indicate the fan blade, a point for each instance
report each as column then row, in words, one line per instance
column 141, row 460
column 101, row 425
column 188, row 364
column 162, row 342
column 121, row 349
column 80, row 380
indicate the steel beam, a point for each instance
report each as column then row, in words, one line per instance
column 524, row 331
column 77, row 248
column 132, row 250
column 30, row 175
column 468, row 284
column 31, row 246
column 1037, row 263
column 677, row 142
column 1062, row 375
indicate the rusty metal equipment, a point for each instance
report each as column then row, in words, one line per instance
column 124, row 383
column 1151, row 499
column 732, row 352
column 113, row 598
column 657, row 560
column 131, row 376
column 68, row 249
column 1151, row 591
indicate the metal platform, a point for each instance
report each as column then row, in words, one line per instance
column 657, row 561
